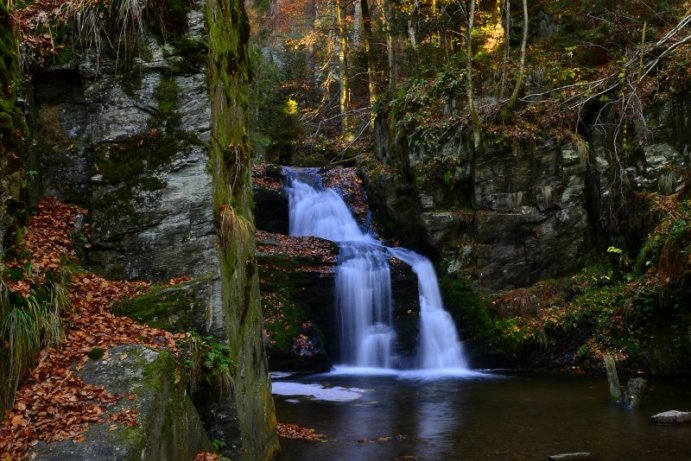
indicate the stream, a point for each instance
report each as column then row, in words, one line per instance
column 496, row 416
column 378, row 406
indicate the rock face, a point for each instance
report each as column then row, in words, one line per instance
column 169, row 427
column 132, row 156
column 512, row 213
column 156, row 149
column 530, row 215
column 506, row 219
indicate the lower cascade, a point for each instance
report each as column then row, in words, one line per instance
column 363, row 283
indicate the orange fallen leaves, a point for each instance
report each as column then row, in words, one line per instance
column 178, row 280
column 206, row 456
column 293, row 431
column 53, row 403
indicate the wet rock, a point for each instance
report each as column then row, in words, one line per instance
column 569, row 456
column 446, row 225
column 671, row 417
column 169, row 426
column 634, row 392
column 612, row 378
column 270, row 211
column 297, row 284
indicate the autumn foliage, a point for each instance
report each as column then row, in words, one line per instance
column 53, row 403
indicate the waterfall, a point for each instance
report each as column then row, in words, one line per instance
column 363, row 282
column 363, row 301
column 439, row 343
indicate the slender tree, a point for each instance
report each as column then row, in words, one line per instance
column 521, row 68
column 474, row 118
column 506, row 9
column 343, row 54
column 387, row 21
column 371, row 73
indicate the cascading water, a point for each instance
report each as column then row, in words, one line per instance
column 363, row 282
column 439, row 343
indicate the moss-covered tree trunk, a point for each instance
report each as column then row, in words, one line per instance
column 230, row 160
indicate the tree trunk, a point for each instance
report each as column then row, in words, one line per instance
column 371, row 73
column 357, row 21
column 507, row 15
column 344, row 99
column 474, row 119
column 275, row 15
column 521, row 69
column 388, row 20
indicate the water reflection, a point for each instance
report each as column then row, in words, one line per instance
column 523, row 417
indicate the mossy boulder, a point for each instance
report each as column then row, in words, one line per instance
column 169, row 426
column 183, row 307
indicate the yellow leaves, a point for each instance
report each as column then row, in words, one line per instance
column 291, row 107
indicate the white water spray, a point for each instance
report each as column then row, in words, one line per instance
column 363, row 284
column 439, row 343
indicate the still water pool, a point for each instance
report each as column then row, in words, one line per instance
column 498, row 416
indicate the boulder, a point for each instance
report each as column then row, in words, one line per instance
column 569, row 456
column 183, row 307
column 672, row 417
column 169, row 426
column 634, row 392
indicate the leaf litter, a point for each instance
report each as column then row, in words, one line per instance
column 53, row 403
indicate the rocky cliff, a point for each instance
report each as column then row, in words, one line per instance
column 511, row 213
column 150, row 137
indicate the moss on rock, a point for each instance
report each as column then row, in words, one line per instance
column 176, row 308
column 169, row 427
column 12, row 131
column 228, row 71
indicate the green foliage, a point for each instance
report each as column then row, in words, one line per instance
column 12, row 123
column 216, row 363
column 167, row 96
column 209, row 360
column 669, row 244
column 658, row 323
column 276, row 121
column 470, row 313
column 430, row 109
column 28, row 324
column 218, row 444
column 96, row 353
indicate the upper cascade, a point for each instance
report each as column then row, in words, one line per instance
column 321, row 212
column 363, row 283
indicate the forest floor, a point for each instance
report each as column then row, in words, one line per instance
column 52, row 402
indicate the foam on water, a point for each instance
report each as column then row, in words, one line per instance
column 316, row 391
